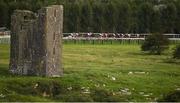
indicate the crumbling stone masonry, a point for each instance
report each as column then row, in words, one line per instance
column 36, row 42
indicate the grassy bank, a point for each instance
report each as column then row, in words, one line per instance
column 96, row 73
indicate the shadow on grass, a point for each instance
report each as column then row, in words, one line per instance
column 173, row 96
column 172, row 61
column 4, row 70
column 138, row 53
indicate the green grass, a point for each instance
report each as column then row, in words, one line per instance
column 138, row 76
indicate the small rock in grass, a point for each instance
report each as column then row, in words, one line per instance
column 113, row 93
column 96, row 85
column 130, row 73
column 2, row 96
column 56, row 76
column 82, row 88
column 69, row 88
column 126, row 89
column 113, row 78
column 108, row 76
column 36, row 85
column 45, row 94
column 148, row 98
column 128, row 93
column 86, row 91
column 150, row 93
column 146, row 95
column 155, row 98
column 104, row 85
column 141, row 93
column 177, row 88
column 123, row 90
column 140, row 72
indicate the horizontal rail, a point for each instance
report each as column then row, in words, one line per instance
column 92, row 38
column 174, row 38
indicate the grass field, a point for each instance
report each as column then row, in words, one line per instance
column 96, row 73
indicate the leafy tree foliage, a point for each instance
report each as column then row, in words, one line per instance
column 3, row 14
column 73, row 17
column 86, row 18
column 123, row 16
column 177, row 23
column 145, row 17
column 155, row 44
column 169, row 18
column 97, row 18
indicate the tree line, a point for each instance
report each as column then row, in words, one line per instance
column 119, row 16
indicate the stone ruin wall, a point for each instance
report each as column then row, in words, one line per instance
column 36, row 42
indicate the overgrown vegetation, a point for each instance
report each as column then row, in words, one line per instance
column 155, row 43
column 95, row 73
column 173, row 96
column 123, row 16
column 176, row 53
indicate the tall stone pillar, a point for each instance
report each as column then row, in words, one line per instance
column 36, row 42
column 21, row 36
column 48, row 44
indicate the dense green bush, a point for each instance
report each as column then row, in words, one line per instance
column 176, row 53
column 155, row 44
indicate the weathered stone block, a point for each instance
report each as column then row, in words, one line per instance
column 36, row 42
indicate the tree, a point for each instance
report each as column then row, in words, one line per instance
column 109, row 15
column 123, row 18
column 86, row 17
column 133, row 17
column 177, row 23
column 72, row 15
column 168, row 18
column 145, row 17
column 97, row 18
column 126, row 16
column 12, row 6
column 156, row 21
column 36, row 5
column 3, row 14
column 155, row 44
